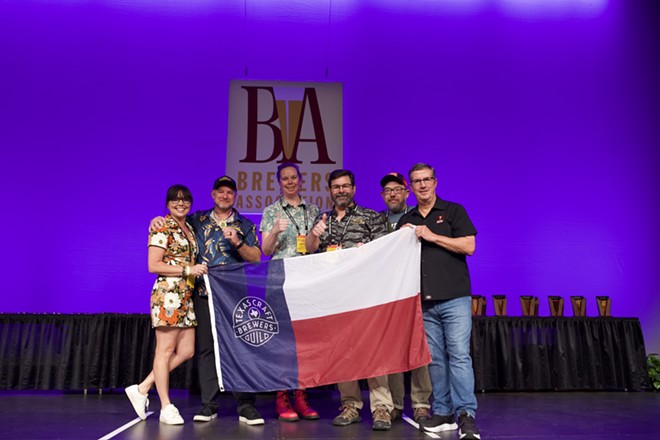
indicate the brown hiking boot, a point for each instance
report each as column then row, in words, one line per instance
column 382, row 420
column 396, row 414
column 421, row 414
column 349, row 414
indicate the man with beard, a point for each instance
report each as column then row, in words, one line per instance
column 349, row 225
column 395, row 193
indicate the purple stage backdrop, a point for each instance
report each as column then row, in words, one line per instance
column 541, row 117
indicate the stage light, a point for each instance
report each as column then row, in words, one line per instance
column 552, row 8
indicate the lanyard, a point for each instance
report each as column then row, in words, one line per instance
column 286, row 211
column 348, row 222
column 391, row 226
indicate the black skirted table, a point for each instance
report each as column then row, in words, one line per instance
column 81, row 351
column 558, row 353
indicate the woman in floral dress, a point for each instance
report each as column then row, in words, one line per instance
column 172, row 251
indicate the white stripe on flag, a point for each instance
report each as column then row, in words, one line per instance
column 380, row 272
column 218, row 368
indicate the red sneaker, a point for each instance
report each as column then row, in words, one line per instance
column 302, row 407
column 283, row 408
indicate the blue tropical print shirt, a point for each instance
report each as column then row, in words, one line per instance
column 214, row 248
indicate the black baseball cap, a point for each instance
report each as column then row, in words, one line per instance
column 224, row 181
column 393, row 177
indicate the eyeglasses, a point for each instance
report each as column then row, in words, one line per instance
column 345, row 187
column 181, row 200
column 425, row 181
column 398, row 190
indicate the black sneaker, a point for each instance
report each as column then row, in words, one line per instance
column 438, row 423
column 207, row 413
column 468, row 429
column 250, row 415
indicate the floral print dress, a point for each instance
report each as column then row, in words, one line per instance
column 171, row 297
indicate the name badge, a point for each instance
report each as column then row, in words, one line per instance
column 300, row 244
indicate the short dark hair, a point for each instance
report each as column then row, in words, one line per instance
column 421, row 166
column 178, row 191
column 281, row 166
column 336, row 174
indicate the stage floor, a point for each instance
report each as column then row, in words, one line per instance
column 539, row 416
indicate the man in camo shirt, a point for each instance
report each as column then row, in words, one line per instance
column 349, row 225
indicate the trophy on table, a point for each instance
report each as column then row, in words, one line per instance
column 499, row 302
column 529, row 305
column 579, row 306
column 556, row 304
column 478, row 305
column 604, row 304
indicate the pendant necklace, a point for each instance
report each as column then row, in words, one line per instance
column 221, row 223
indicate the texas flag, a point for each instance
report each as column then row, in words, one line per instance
column 319, row 319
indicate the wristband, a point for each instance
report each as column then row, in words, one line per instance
column 240, row 243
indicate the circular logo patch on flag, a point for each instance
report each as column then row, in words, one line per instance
column 254, row 321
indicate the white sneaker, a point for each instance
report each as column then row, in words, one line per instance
column 170, row 415
column 139, row 401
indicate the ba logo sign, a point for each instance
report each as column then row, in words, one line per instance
column 273, row 122
column 254, row 321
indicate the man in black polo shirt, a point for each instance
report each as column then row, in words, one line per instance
column 448, row 237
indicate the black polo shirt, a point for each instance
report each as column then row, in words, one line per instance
column 445, row 274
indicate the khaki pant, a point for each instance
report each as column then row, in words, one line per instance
column 420, row 388
column 379, row 393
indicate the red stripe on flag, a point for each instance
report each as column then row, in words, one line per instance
column 364, row 343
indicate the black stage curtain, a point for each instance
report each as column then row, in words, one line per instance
column 75, row 352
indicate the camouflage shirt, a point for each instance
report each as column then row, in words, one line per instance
column 301, row 220
column 359, row 225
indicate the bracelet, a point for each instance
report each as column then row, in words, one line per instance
column 240, row 243
column 186, row 271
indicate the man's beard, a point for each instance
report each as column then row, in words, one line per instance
column 397, row 208
column 342, row 202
